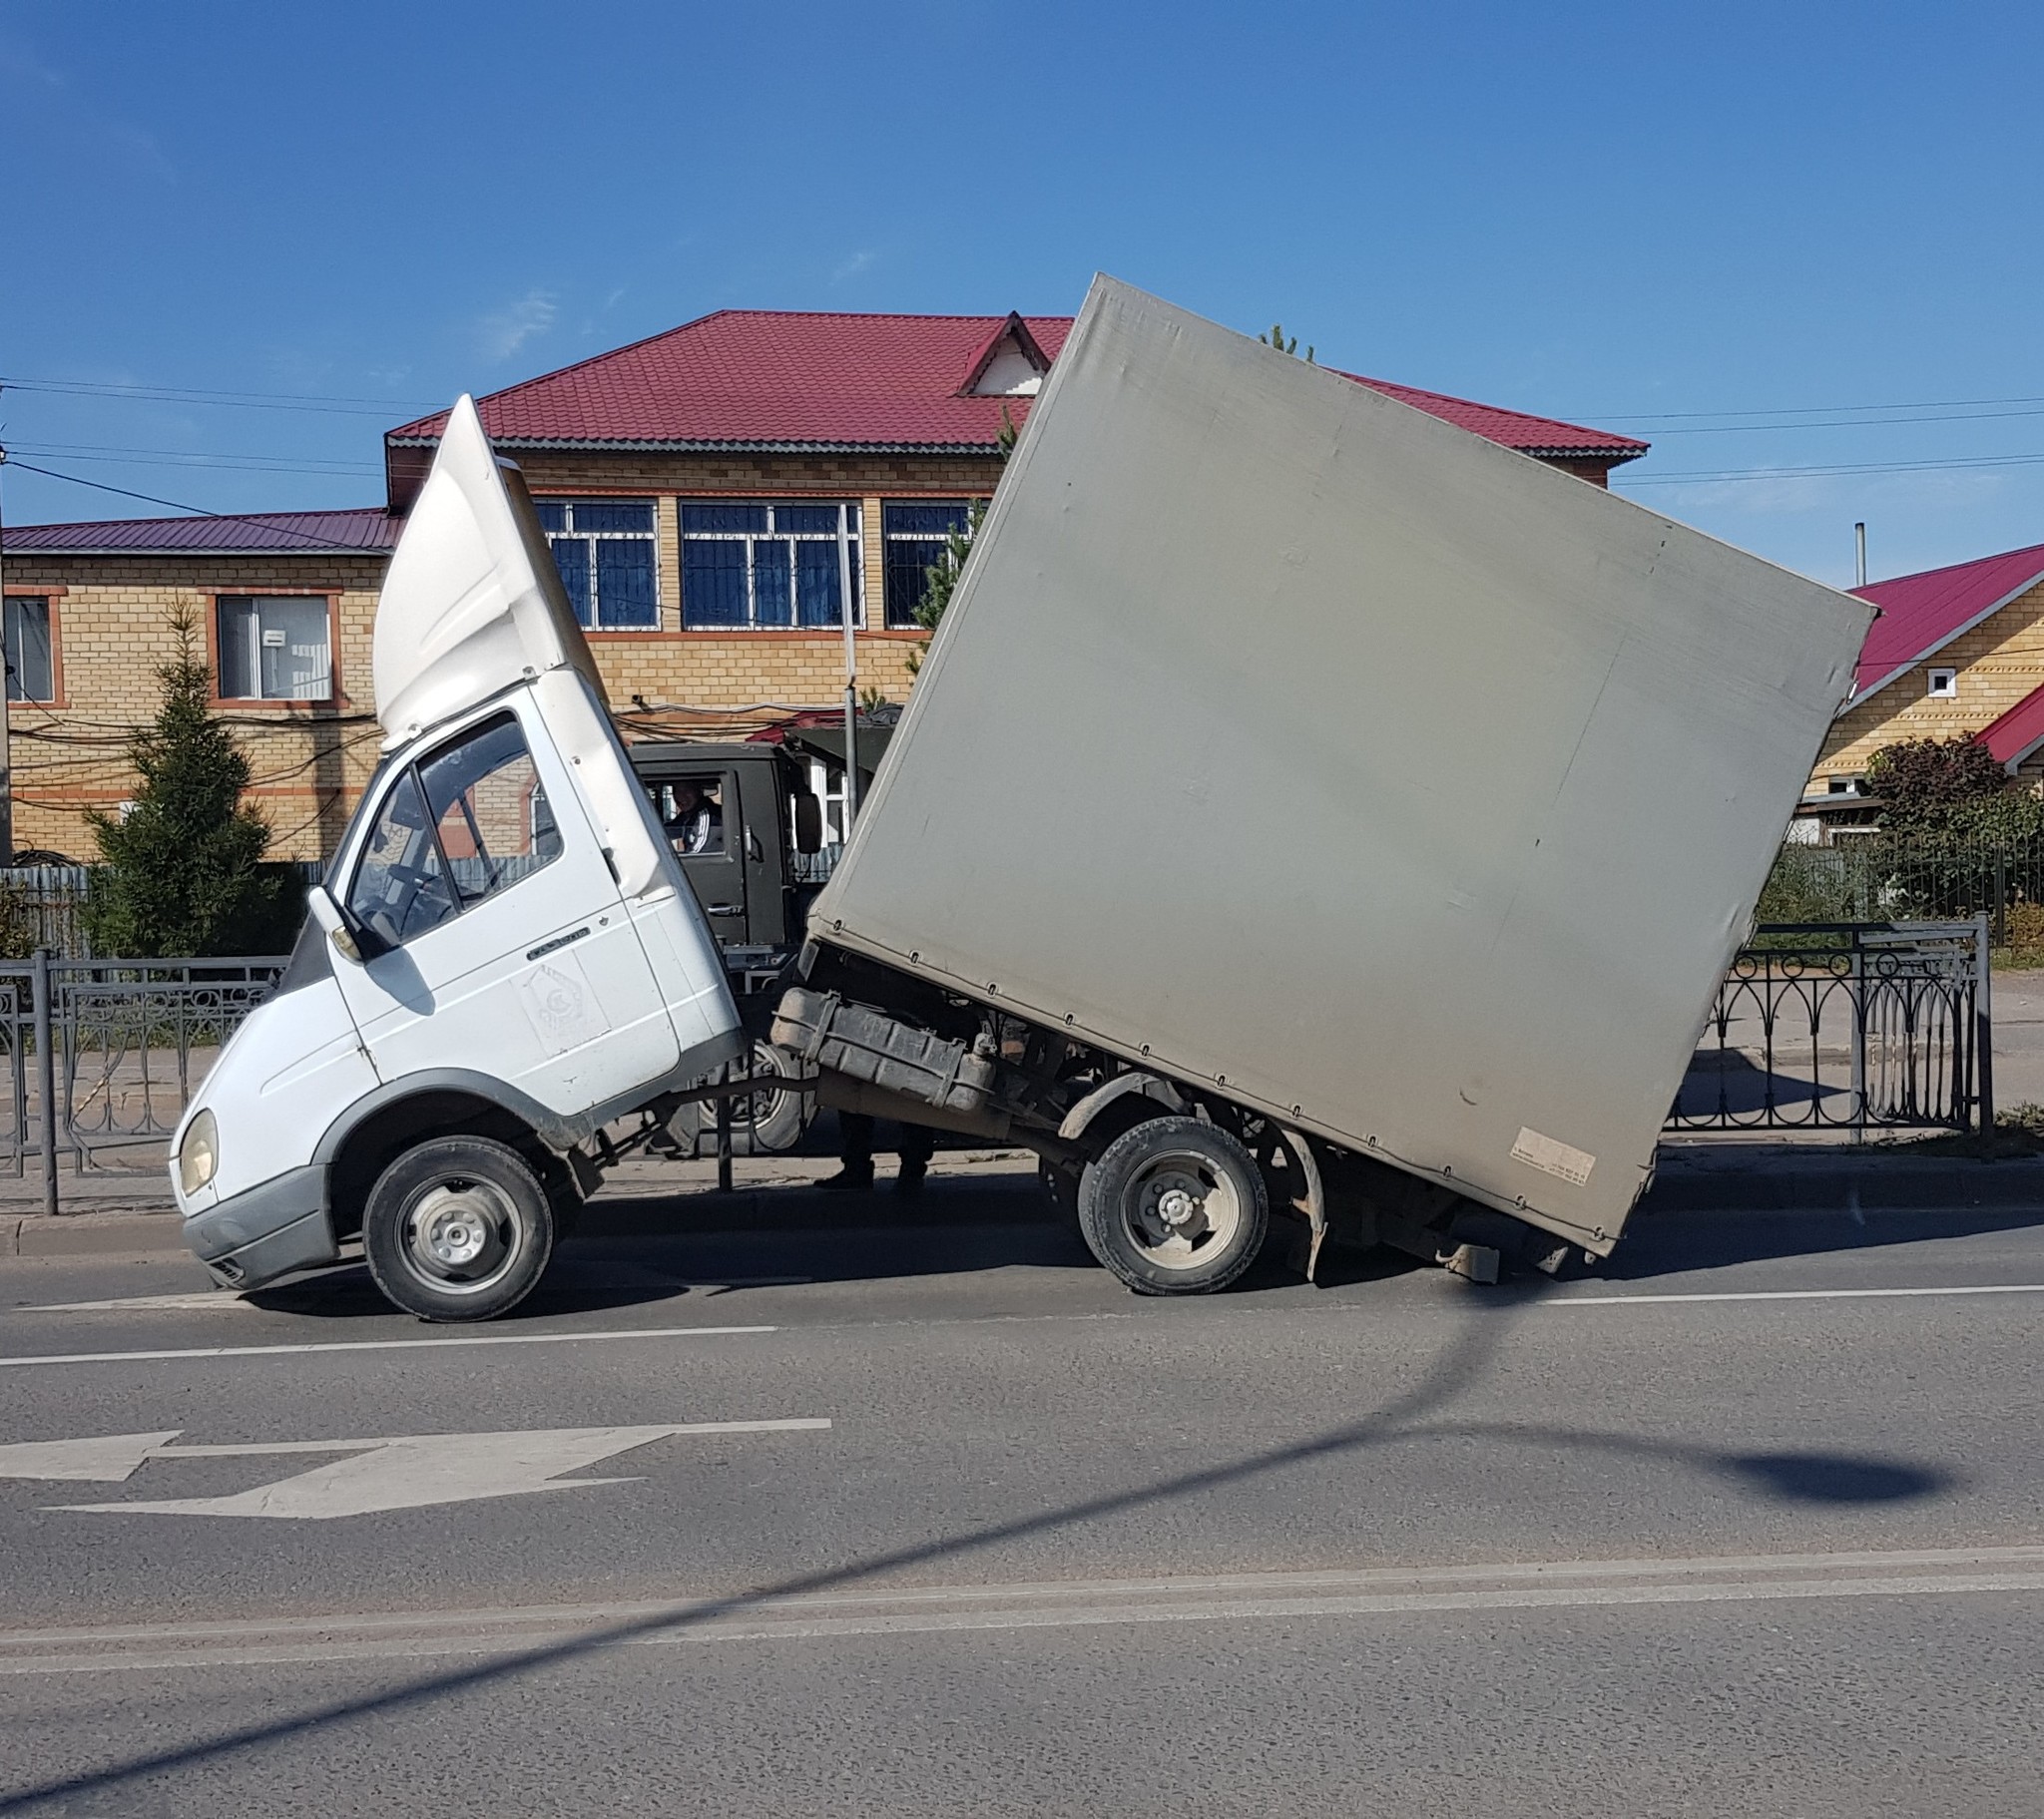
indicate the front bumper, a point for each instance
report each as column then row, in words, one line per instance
column 267, row 1232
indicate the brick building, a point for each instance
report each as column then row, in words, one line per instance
column 1956, row 653
column 708, row 492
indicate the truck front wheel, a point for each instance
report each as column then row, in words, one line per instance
column 1175, row 1206
column 458, row 1229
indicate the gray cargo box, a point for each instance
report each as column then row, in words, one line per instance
column 1387, row 780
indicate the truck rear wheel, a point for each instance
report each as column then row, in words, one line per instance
column 764, row 1121
column 458, row 1229
column 1175, row 1206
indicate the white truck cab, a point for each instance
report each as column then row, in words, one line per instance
column 504, row 956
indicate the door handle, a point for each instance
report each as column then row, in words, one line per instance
column 724, row 909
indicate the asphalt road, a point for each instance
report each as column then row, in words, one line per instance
column 1749, row 1521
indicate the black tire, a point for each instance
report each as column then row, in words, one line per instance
column 457, row 1228
column 765, row 1122
column 1175, row 1206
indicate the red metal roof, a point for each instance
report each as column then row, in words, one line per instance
column 366, row 527
column 2018, row 732
column 1920, row 613
column 780, row 379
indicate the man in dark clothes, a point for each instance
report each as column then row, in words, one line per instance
column 855, row 1151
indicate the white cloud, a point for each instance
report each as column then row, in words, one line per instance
column 851, row 268
column 505, row 332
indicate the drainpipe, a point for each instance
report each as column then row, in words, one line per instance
column 1859, row 542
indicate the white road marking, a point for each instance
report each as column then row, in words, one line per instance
column 394, row 1472
column 205, row 1297
column 1377, row 1591
column 377, row 1345
column 630, row 1277
column 1800, row 1294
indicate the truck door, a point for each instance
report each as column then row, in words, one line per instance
column 503, row 944
column 701, row 814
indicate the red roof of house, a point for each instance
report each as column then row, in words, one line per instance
column 1920, row 613
column 366, row 527
column 2018, row 732
column 769, row 379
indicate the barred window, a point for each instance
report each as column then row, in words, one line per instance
column 604, row 550
column 917, row 538
column 769, row 565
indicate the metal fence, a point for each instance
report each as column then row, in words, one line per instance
column 1858, row 1026
column 44, row 905
column 1872, row 877
column 102, row 1056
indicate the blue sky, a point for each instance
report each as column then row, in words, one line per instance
column 1668, row 220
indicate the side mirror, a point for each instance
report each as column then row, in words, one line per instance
column 327, row 912
column 809, row 822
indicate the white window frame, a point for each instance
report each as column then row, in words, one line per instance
column 16, row 606
column 1941, row 685
column 849, row 527
column 888, row 537
column 567, row 504
column 325, row 602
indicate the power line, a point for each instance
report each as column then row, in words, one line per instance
column 229, row 464
column 1805, row 410
column 1832, row 471
column 244, row 401
column 99, row 486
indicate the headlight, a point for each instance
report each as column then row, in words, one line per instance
column 199, row 1154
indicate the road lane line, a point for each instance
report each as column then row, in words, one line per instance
column 378, row 1345
column 1798, row 1295
column 1377, row 1591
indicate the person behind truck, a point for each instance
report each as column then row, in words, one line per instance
column 695, row 824
column 856, row 1156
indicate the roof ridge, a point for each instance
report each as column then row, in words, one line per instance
column 1953, row 568
column 1496, row 410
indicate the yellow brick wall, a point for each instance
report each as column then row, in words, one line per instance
column 113, row 628
column 1999, row 662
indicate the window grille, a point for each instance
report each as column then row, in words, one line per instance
column 604, row 549
column 916, row 539
column 769, row 565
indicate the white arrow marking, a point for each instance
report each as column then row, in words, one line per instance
column 106, row 1459
column 404, row 1472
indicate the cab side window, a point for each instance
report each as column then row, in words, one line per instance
column 400, row 888
column 690, row 811
column 468, row 820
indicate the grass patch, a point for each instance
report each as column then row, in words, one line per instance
column 2018, row 1134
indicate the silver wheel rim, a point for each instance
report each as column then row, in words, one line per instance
column 1180, row 1212
column 462, row 1236
column 764, row 1099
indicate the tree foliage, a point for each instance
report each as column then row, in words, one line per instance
column 1936, row 785
column 941, row 578
column 182, row 872
column 1276, row 338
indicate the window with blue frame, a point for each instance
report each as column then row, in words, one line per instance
column 769, row 565
column 915, row 537
column 604, row 549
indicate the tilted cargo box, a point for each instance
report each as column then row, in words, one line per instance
column 1325, row 757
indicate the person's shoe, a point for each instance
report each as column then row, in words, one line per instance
column 910, row 1182
column 853, row 1177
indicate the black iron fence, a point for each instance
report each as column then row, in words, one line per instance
column 102, row 1056
column 1852, row 1026
column 1883, row 877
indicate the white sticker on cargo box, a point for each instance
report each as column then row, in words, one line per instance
column 1552, row 1156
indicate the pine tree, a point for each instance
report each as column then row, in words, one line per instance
column 182, row 872
column 940, row 579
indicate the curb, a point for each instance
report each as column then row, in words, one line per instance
column 1792, row 1184
column 79, row 1235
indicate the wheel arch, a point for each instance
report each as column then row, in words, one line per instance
column 379, row 1126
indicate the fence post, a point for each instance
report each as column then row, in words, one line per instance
column 1983, row 1026
column 724, row 1185
column 46, row 1080
column 1858, row 1040
column 2000, row 898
